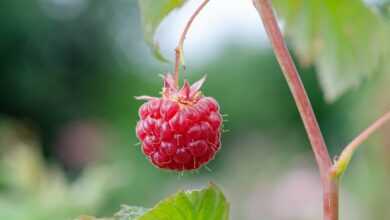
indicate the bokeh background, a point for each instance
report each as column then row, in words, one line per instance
column 69, row 70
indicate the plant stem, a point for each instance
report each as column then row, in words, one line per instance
column 330, row 185
column 370, row 130
column 298, row 91
column 179, row 48
column 345, row 157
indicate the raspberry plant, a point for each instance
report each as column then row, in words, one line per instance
column 181, row 130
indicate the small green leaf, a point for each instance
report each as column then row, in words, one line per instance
column 345, row 40
column 152, row 13
column 205, row 204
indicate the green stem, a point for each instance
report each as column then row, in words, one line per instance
column 179, row 49
column 343, row 161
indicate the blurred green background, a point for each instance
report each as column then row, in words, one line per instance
column 67, row 118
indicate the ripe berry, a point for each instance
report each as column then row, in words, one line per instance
column 182, row 129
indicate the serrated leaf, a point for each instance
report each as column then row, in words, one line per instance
column 345, row 40
column 205, row 204
column 152, row 14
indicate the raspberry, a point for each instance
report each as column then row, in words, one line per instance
column 182, row 129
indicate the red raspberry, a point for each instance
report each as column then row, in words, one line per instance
column 182, row 129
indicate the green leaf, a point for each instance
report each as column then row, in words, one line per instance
column 205, row 204
column 152, row 13
column 345, row 40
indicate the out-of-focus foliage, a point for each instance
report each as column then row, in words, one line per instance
column 383, row 7
column 130, row 212
column 346, row 40
column 125, row 213
column 152, row 13
column 30, row 190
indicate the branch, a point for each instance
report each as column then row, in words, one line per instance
column 298, row 91
column 179, row 49
column 342, row 163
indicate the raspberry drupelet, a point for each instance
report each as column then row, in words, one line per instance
column 182, row 129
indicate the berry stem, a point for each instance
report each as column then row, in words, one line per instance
column 342, row 163
column 330, row 185
column 179, row 58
